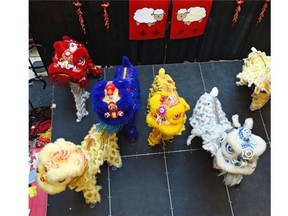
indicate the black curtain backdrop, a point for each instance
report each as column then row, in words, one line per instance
column 50, row 20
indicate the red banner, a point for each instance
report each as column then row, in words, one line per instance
column 189, row 18
column 147, row 19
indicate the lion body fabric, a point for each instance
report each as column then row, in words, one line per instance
column 166, row 109
column 256, row 71
column 63, row 164
column 116, row 102
column 235, row 150
column 209, row 121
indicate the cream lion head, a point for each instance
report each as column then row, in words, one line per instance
column 60, row 163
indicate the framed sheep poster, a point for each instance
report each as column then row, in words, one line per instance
column 189, row 18
column 147, row 19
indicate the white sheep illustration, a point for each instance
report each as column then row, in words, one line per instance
column 148, row 16
column 193, row 14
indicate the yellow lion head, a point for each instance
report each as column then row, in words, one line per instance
column 166, row 110
column 167, row 113
column 60, row 163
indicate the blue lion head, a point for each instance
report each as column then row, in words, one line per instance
column 115, row 102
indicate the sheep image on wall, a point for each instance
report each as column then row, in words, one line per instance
column 148, row 16
column 190, row 15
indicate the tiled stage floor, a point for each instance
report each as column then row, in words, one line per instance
column 171, row 180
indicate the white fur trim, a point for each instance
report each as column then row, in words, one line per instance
column 230, row 168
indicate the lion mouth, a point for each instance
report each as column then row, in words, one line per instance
column 65, row 75
column 61, row 181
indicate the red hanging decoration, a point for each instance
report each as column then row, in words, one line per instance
column 237, row 11
column 105, row 14
column 261, row 15
column 78, row 5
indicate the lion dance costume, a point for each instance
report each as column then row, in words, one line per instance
column 63, row 164
column 166, row 110
column 71, row 64
column 256, row 71
column 116, row 102
column 235, row 149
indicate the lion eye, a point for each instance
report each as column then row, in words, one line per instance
column 61, row 181
column 81, row 61
column 229, row 149
column 223, row 137
column 72, row 46
column 176, row 117
column 246, row 133
column 113, row 108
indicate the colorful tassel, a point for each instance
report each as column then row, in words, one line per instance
column 237, row 11
column 261, row 15
column 105, row 15
column 78, row 5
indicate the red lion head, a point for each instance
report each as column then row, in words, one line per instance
column 71, row 63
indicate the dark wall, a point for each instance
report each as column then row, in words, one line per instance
column 50, row 20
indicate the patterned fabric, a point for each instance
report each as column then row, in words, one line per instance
column 166, row 110
column 116, row 102
column 235, row 150
column 209, row 121
column 256, row 72
column 64, row 164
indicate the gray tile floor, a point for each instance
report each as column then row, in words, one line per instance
column 173, row 180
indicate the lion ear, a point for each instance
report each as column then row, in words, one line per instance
column 235, row 120
column 248, row 123
column 126, row 62
column 122, row 83
column 81, row 52
column 59, row 47
column 214, row 92
column 185, row 104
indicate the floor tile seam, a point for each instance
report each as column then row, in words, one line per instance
column 160, row 153
column 229, row 200
column 263, row 123
column 109, row 191
column 168, row 182
column 221, row 61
